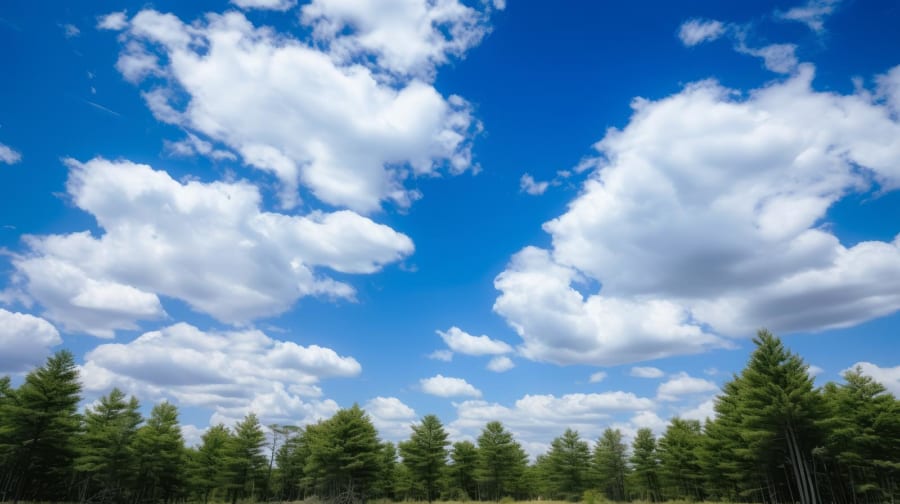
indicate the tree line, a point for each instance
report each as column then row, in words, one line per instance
column 775, row 438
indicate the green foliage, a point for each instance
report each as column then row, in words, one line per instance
column 645, row 464
column 501, row 461
column 106, row 453
column 208, row 462
column 463, row 467
column 244, row 458
column 161, row 456
column 568, row 466
column 38, row 428
column 609, row 467
column 680, row 470
column 343, row 458
column 425, row 454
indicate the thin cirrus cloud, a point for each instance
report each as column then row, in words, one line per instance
column 701, row 231
column 813, row 13
column 8, row 155
column 303, row 110
column 164, row 237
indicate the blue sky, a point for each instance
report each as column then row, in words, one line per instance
column 574, row 215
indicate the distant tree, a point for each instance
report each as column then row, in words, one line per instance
column 383, row 486
column 39, row 424
column 501, row 461
column 464, row 462
column 245, row 459
column 610, row 466
column 645, row 465
column 289, row 461
column 343, row 459
column 568, row 466
column 161, row 456
column 209, row 461
column 425, row 454
column 861, row 447
column 679, row 461
column 106, row 453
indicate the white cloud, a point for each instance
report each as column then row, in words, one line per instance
column 115, row 21
column 25, row 341
column 537, row 419
column 229, row 372
column 276, row 5
column 778, row 58
column 8, row 155
column 500, row 364
column 701, row 412
column 404, row 36
column 444, row 386
column 597, row 377
column 164, row 237
column 812, row 14
column 703, row 218
column 682, row 384
column 441, row 355
column 698, row 31
column 887, row 376
column 391, row 417
column 462, row 342
column 70, row 30
column 193, row 435
column 646, row 372
column 286, row 107
column 193, row 145
column 889, row 89
column 815, row 370
column 528, row 185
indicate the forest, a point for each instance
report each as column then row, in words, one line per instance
column 775, row 438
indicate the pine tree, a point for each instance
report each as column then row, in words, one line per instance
column 343, row 459
column 464, row 458
column 568, row 466
column 610, row 467
column 645, row 464
column 209, row 461
column 680, row 470
column 501, row 461
column 161, row 456
column 106, row 452
column 245, row 460
column 38, row 428
column 383, row 487
column 425, row 454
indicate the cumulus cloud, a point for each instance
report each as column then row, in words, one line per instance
column 704, row 218
column 229, row 372
column 193, row 145
column 8, row 155
column 500, row 364
column 812, row 13
column 309, row 116
column 164, row 237
column 646, row 372
column 887, row 376
column 25, row 341
column 276, row 5
column 391, row 417
column 444, row 386
column 815, row 370
column 778, row 58
column 114, row 21
column 683, row 384
column 462, row 342
column 698, row 31
column 703, row 411
column 404, row 36
column 528, row 185
column 536, row 419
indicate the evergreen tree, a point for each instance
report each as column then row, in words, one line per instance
column 425, row 454
column 161, row 456
column 289, row 462
column 645, row 464
column 209, row 461
column 568, row 466
column 383, row 486
column 38, row 428
column 610, row 467
column 245, row 460
column 343, row 459
column 679, row 460
column 501, row 461
column 464, row 462
column 106, row 453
